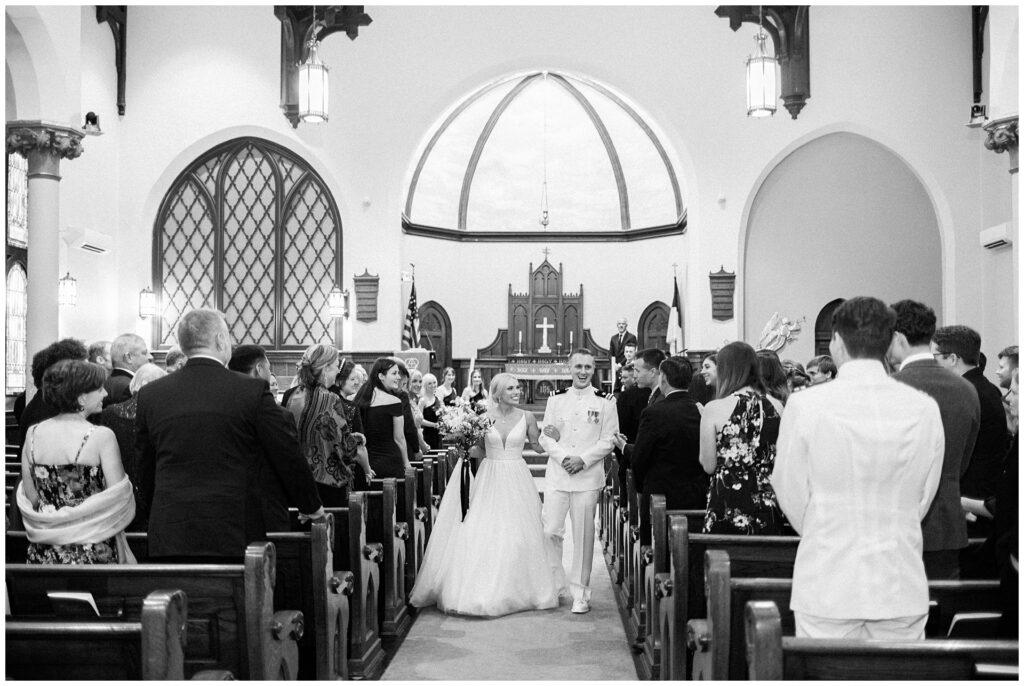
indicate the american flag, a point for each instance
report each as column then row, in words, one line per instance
column 411, row 331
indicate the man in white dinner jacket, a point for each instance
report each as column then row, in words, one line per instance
column 579, row 423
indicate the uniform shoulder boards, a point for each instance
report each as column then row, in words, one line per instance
column 602, row 393
column 560, row 391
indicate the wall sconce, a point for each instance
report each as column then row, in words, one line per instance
column 67, row 291
column 147, row 303
column 337, row 303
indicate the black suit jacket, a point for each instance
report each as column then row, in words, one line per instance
column 944, row 527
column 666, row 456
column 204, row 433
column 986, row 462
column 616, row 350
column 117, row 387
column 630, row 403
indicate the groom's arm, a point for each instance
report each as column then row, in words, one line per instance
column 550, row 445
column 609, row 427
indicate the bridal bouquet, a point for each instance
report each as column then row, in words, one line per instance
column 461, row 425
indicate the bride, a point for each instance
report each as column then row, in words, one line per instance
column 492, row 563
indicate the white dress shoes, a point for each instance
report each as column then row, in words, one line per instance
column 580, row 606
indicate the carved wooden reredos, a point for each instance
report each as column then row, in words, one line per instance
column 527, row 313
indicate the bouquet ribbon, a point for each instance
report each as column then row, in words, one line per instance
column 464, row 478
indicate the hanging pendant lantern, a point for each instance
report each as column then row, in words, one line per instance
column 147, row 303
column 761, row 78
column 337, row 303
column 67, row 291
column 314, row 88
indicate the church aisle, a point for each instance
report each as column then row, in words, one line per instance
column 553, row 645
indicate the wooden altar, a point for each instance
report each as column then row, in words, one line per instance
column 544, row 326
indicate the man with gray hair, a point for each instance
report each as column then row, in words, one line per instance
column 175, row 360
column 128, row 352
column 203, row 433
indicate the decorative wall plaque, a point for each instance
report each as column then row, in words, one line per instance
column 367, row 287
column 723, row 286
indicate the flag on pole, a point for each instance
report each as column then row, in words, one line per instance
column 411, row 331
column 674, row 335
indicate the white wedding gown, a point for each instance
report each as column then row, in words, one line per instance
column 494, row 562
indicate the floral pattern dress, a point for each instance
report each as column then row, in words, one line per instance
column 740, row 497
column 65, row 485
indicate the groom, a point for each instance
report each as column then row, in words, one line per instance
column 579, row 424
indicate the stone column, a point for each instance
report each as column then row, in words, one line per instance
column 44, row 144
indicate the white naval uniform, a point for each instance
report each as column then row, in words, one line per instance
column 586, row 421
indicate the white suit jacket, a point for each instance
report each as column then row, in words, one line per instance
column 858, row 463
column 586, row 420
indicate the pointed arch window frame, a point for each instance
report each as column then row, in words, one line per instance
column 229, row 151
column 463, row 233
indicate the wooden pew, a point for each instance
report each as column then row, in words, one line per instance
column 232, row 623
column 425, row 497
column 382, row 525
column 639, row 559
column 681, row 590
column 150, row 649
column 609, row 501
column 413, row 516
column 629, row 522
column 717, row 643
column 772, row 656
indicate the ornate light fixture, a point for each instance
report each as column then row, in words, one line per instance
column 67, row 292
column 337, row 303
column 147, row 303
column 761, row 92
column 313, row 82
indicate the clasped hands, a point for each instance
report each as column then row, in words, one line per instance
column 619, row 440
column 573, row 464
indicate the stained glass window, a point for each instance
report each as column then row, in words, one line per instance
column 17, row 200
column 252, row 230
column 17, row 308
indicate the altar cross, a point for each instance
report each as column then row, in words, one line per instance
column 544, row 326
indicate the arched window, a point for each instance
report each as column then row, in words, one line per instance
column 250, row 229
column 544, row 153
column 17, row 200
column 17, row 309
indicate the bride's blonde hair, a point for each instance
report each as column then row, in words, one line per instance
column 497, row 383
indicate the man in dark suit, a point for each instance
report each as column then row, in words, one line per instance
column 943, row 527
column 37, row 409
column 648, row 375
column 618, row 343
column 128, row 352
column 958, row 348
column 630, row 403
column 666, row 456
column 202, row 433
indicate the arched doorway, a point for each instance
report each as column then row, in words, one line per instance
column 823, row 327
column 652, row 327
column 436, row 334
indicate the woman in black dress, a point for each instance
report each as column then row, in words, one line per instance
column 381, row 412
column 430, row 405
column 446, row 391
column 475, row 392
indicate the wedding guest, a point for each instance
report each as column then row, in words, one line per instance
column 74, row 497
column 648, row 372
column 446, row 392
column 704, row 390
column 99, row 353
column 381, row 412
column 174, row 360
column 202, row 433
column 328, row 442
column 773, row 376
column 628, row 354
column 415, row 395
column 430, row 406
column 738, row 433
column 859, row 461
column 821, row 369
column 37, row 409
column 128, row 352
column 361, row 376
column 665, row 457
column 797, row 380
column 943, row 527
column 957, row 348
column 120, row 418
column 475, row 392
column 1008, row 360
column 629, row 405
column 412, row 435
column 619, row 341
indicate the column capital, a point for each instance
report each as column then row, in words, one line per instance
column 1003, row 137
column 63, row 142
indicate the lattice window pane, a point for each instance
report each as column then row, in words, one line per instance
column 188, row 257
column 250, row 215
column 309, row 253
column 17, row 310
column 17, row 200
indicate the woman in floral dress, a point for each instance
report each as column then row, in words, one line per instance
column 738, row 431
column 74, row 496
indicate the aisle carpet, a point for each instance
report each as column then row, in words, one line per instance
column 551, row 645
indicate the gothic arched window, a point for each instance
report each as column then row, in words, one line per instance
column 251, row 229
column 17, row 309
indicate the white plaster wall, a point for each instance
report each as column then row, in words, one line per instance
column 1002, row 50
column 200, row 75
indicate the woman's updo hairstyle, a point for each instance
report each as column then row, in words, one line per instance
column 345, row 371
column 65, row 381
column 313, row 362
